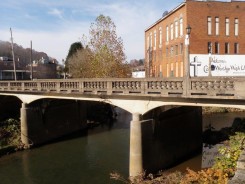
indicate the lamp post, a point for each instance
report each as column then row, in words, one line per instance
column 187, row 58
column 64, row 71
column 210, row 59
column 31, row 63
column 12, row 45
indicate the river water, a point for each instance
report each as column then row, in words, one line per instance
column 86, row 159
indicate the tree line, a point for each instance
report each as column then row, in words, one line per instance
column 22, row 55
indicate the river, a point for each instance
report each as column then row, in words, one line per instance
column 86, row 159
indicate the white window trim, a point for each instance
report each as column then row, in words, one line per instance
column 216, row 26
column 167, row 34
column 160, row 37
column 176, row 30
column 172, row 31
column 209, row 25
column 227, row 26
column 181, row 26
column 236, row 21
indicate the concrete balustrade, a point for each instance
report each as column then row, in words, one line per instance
column 199, row 87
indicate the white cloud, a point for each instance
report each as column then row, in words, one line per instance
column 56, row 12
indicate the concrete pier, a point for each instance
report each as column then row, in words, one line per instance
column 135, row 155
column 24, row 125
column 44, row 121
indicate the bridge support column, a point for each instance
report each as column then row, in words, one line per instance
column 24, row 125
column 135, row 155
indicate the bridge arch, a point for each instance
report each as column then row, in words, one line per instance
column 9, row 107
column 140, row 106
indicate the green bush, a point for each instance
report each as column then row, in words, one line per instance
column 223, row 169
column 230, row 153
column 9, row 133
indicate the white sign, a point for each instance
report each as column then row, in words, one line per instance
column 138, row 74
column 220, row 65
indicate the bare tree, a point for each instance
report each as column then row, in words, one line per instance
column 104, row 53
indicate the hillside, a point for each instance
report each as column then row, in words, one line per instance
column 23, row 54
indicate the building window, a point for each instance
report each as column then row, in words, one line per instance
column 176, row 29
column 172, row 70
column 216, row 48
column 181, row 69
column 151, row 40
column 210, row 47
column 181, row 26
column 227, row 48
column 167, row 34
column 148, row 42
column 160, row 37
column 236, row 48
column 177, row 69
column 160, row 71
column 209, row 25
column 176, row 49
column 160, row 54
column 155, row 56
column 171, row 31
column 155, row 39
column 172, row 51
column 216, row 25
column 181, row 48
column 167, row 52
column 227, row 26
column 236, row 26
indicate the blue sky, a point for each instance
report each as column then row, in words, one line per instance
column 53, row 25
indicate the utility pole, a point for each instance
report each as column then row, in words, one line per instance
column 12, row 45
column 31, row 77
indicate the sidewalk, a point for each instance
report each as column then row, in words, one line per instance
column 239, row 177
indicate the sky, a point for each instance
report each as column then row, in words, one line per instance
column 53, row 25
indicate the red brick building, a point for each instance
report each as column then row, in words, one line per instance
column 217, row 32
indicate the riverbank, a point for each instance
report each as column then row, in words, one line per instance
column 222, row 171
column 224, row 168
column 10, row 140
column 213, row 110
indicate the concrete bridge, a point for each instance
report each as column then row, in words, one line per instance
column 137, row 96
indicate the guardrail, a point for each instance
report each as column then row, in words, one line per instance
column 165, row 87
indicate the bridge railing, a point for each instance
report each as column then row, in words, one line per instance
column 157, row 86
column 205, row 87
column 212, row 87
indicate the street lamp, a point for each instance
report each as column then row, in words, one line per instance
column 188, row 30
column 187, row 58
column 187, row 43
column 210, row 58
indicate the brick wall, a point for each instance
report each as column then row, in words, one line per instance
column 164, row 63
column 197, row 13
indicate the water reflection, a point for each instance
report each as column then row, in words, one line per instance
column 86, row 159
column 83, row 160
